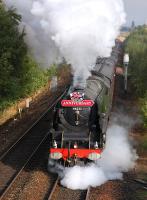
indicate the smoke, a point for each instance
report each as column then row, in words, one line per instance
column 40, row 44
column 117, row 157
column 78, row 30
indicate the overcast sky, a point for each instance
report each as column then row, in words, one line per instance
column 136, row 10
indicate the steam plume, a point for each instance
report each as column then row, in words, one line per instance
column 118, row 157
column 78, row 30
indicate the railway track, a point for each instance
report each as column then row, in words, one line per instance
column 20, row 173
column 143, row 184
column 20, row 154
column 28, row 131
column 58, row 192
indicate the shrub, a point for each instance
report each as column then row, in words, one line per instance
column 136, row 46
column 144, row 109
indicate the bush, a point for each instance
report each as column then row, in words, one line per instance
column 52, row 71
column 136, row 46
column 33, row 77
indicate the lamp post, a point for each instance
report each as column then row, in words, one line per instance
column 126, row 63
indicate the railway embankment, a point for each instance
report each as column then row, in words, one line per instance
column 127, row 105
column 17, row 119
column 137, row 48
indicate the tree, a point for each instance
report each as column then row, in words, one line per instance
column 12, row 51
column 136, row 46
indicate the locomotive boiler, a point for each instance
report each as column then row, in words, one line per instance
column 81, row 117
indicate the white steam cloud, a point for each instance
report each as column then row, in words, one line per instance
column 78, row 30
column 118, row 157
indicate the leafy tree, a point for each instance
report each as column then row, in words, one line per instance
column 12, row 51
column 136, row 46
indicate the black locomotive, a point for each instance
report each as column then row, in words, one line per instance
column 80, row 119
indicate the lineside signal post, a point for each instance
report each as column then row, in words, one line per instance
column 126, row 64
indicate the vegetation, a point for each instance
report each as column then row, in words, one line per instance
column 141, row 194
column 143, row 103
column 52, row 71
column 136, row 46
column 19, row 73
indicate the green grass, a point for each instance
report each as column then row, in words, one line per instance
column 5, row 103
column 141, row 195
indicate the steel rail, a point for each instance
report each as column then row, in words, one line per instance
column 53, row 189
column 51, row 195
column 87, row 194
column 33, row 125
column 5, row 192
column 141, row 182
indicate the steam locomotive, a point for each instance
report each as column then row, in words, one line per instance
column 80, row 120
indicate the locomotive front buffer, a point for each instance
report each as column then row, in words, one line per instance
column 73, row 151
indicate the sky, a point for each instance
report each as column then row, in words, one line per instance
column 136, row 10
